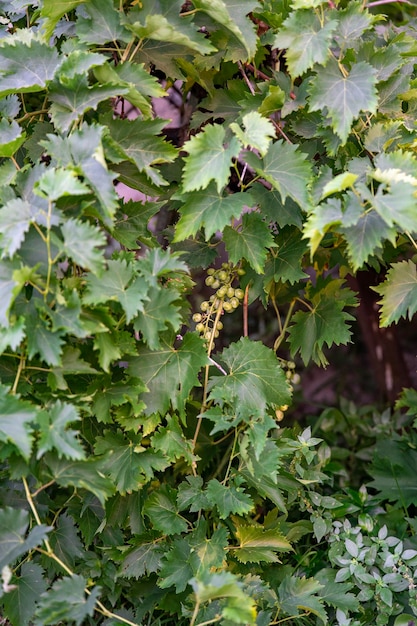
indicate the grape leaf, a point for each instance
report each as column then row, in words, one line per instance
column 191, row 494
column 336, row 594
column 15, row 219
column 13, row 543
column 53, row 10
column 161, row 21
column 325, row 323
column 65, row 541
column 160, row 310
column 208, row 209
column 209, row 158
column 249, row 241
column 254, row 382
column 11, row 138
column 228, row 499
column 273, row 209
column 67, row 600
column 171, row 441
column 306, row 41
column 399, row 293
column 41, row 340
column 258, row 132
column 285, row 262
column 58, row 182
column 176, row 569
column 160, row 507
column 258, row 545
column 75, row 97
column 81, row 243
column 26, row 67
column 286, row 168
column 100, row 23
column 141, row 560
column 352, row 24
column 137, row 141
column 121, row 459
column 82, row 474
column 54, row 434
column 344, row 97
column 170, row 373
column 15, row 422
column 366, row 237
column 393, row 470
column 301, row 594
column 117, row 283
column 20, row 603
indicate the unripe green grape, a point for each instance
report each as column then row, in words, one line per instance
column 210, row 280
column 234, row 302
column 222, row 275
column 200, row 328
column 204, row 306
column 291, row 365
column 296, row 379
column 210, row 271
column 226, row 266
column 220, row 293
column 288, row 375
column 230, row 292
column 220, row 325
column 227, row 307
column 215, row 284
column 216, row 334
column 239, row 293
column 240, row 271
column 208, row 335
column 197, row 317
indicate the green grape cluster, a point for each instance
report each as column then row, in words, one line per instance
column 225, row 299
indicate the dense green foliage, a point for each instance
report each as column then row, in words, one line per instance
column 148, row 472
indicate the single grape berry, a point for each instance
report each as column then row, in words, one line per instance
column 197, row 317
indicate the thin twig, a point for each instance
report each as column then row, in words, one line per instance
column 378, row 2
column 246, row 79
column 245, row 312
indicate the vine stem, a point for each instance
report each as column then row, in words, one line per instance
column 100, row 608
column 207, row 369
column 281, row 336
column 378, row 2
column 20, row 368
column 285, row 619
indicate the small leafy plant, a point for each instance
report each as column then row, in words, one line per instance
column 149, row 471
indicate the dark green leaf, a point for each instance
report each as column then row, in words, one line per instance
column 16, row 418
column 344, row 96
column 13, row 543
column 142, row 560
column 171, row 441
column 100, row 24
column 285, row 262
column 54, row 434
column 81, row 243
column 249, row 241
column 160, row 310
column 393, row 470
column 170, row 374
column 228, row 499
column 67, row 599
column 81, row 474
column 15, row 219
column 176, row 569
column 161, row 509
column 191, row 495
column 65, row 541
column 20, row 603
column 255, row 379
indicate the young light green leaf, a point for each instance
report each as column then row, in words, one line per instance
column 258, row 132
column 58, row 182
column 209, row 158
column 11, row 137
column 15, row 219
column 399, row 293
column 54, row 434
column 171, row 368
column 287, row 169
column 228, row 499
column 67, row 599
column 343, row 95
column 208, row 209
column 26, row 67
column 255, row 379
column 249, row 241
column 338, row 183
column 53, row 10
column 161, row 509
column 257, row 544
column 306, row 41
